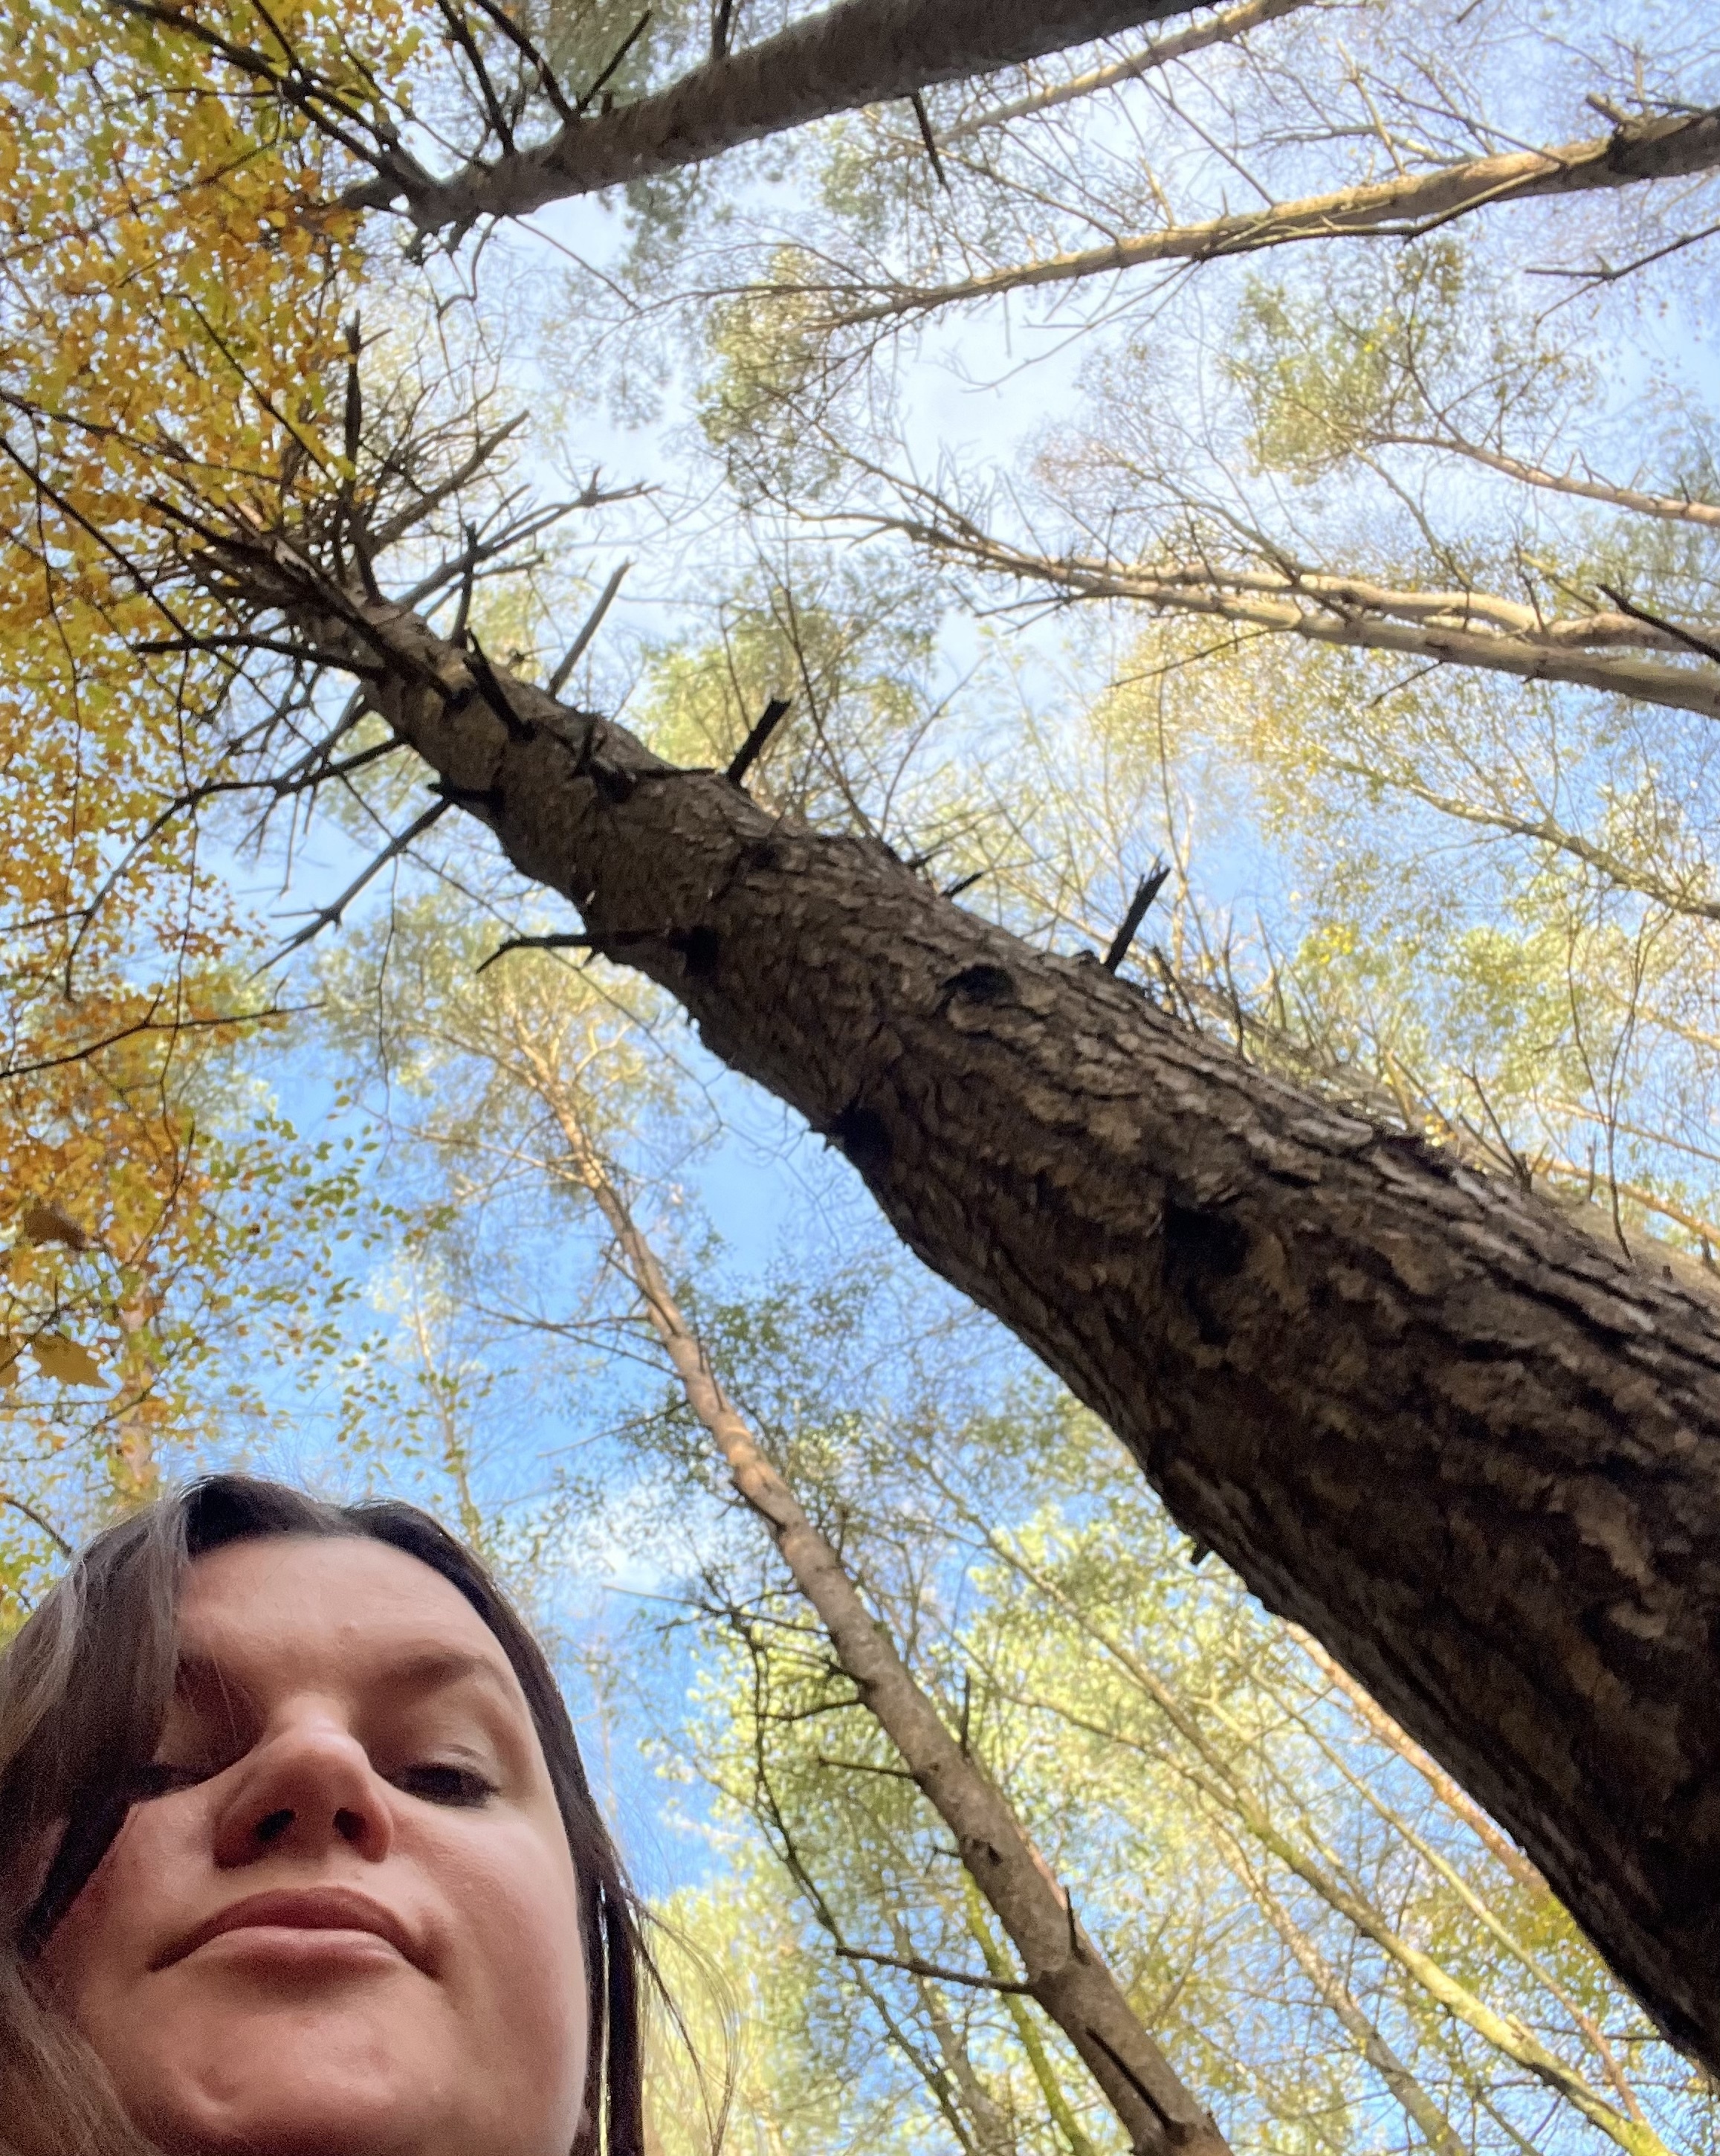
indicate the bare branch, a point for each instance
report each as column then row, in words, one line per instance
column 38, row 1520
column 397, row 526
column 1671, row 508
column 1401, row 208
column 593, row 621
column 1437, row 2128
column 748, row 753
column 1146, row 891
column 1705, row 647
column 1224, row 28
column 937, row 1975
column 327, row 916
column 1460, row 629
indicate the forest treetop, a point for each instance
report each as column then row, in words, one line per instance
column 1381, row 1325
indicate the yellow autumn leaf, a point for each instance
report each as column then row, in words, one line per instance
column 65, row 1361
column 10, row 1350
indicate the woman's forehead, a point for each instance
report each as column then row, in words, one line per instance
column 349, row 1601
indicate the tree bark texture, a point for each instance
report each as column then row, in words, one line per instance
column 1469, row 1445
column 861, row 52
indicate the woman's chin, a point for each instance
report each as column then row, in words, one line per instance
column 309, row 2086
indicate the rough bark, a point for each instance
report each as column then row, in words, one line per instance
column 861, row 52
column 1399, row 208
column 1469, row 1445
column 1067, row 1976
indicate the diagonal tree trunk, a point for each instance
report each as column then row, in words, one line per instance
column 1402, row 207
column 861, row 52
column 1065, row 1972
column 1469, row 1445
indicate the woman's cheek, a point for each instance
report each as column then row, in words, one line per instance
column 515, row 1903
column 122, row 1917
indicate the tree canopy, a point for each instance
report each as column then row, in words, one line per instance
column 1118, row 601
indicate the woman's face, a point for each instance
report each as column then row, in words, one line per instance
column 347, row 1926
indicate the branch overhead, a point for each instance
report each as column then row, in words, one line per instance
column 1405, row 207
column 1450, row 628
column 860, row 52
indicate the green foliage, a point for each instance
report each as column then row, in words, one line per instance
column 1143, row 1718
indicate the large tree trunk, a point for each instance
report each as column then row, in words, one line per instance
column 860, row 52
column 1472, row 1447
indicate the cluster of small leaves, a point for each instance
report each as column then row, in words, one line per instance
column 170, row 284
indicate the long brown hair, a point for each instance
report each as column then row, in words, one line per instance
column 84, row 1688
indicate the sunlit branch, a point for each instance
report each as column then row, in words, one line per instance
column 1402, row 207
column 1671, row 508
column 1460, row 629
column 1335, row 1994
column 1210, row 1769
column 588, row 629
column 1224, row 29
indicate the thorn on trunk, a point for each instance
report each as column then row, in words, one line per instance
column 928, row 138
column 1146, row 891
column 752, row 747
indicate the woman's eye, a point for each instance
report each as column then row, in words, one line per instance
column 439, row 1784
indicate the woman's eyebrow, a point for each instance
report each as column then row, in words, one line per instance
column 206, row 1683
column 436, row 1669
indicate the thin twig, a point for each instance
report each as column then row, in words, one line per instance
column 1699, row 644
column 931, row 1969
column 328, row 915
column 622, row 50
column 594, row 622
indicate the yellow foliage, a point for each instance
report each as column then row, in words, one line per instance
column 171, row 283
column 64, row 1361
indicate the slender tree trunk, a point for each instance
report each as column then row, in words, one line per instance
column 1469, row 1445
column 1410, row 203
column 1068, row 1976
column 1436, row 2128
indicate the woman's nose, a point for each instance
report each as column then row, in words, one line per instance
column 307, row 1788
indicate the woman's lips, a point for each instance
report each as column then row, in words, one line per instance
column 309, row 1909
